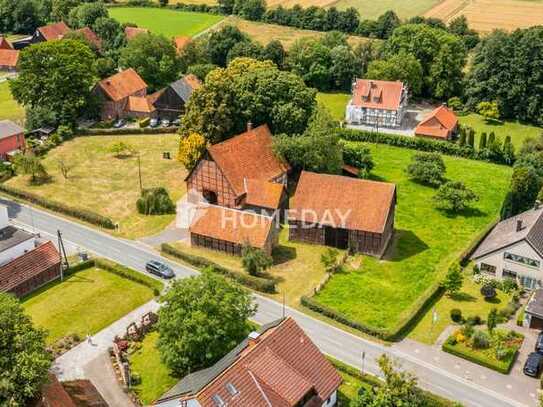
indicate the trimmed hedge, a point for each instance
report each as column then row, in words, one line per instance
column 435, row 400
column 128, row 273
column 126, row 131
column 199, row 8
column 416, row 143
column 80, row 266
column 257, row 283
column 82, row 214
column 479, row 359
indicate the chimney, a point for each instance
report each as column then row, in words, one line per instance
column 519, row 225
column 249, row 125
column 252, row 339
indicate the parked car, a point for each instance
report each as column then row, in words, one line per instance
column 533, row 364
column 177, row 122
column 165, row 123
column 119, row 123
column 159, row 269
column 539, row 343
column 153, row 123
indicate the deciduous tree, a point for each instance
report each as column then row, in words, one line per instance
column 453, row 280
column 454, row 196
column 427, row 168
column 254, row 261
column 191, row 148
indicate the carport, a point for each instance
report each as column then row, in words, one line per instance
column 534, row 310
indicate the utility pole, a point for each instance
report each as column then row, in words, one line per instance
column 62, row 252
column 363, row 362
column 139, row 173
column 284, row 310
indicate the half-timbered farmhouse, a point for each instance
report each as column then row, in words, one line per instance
column 343, row 212
column 242, row 172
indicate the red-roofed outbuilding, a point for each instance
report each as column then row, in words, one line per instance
column 440, row 124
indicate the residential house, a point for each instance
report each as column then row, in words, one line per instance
column 277, row 366
column 91, row 37
column 77, row 393
column 377, row 103
column 242, row 172
column 514, row 249
column 4, row 43
column 533, row 313
column 123, row 95
column 12, row 139
column 50, row 32
column 440, row 124
column 170, row 102
column 228, row 230
column 133, row 32
column 181, row 42
column 343, row 212
column 8, row 60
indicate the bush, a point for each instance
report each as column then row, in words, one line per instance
column 128, row 273
column 454, row 196
column 509, row 285
column 257, row 283
column 480, row 340
column 467, row 330
column 155, row 201
column 508, row 311
column 427, row 168
column 456, row 315
column 81, row 214
column 488, row 291
column 474, row 320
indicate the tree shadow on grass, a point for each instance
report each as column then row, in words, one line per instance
column 469, row 212
column 494, row 300
column 463, row 297
column 404, row 245
column 283, row 254
column 375, row 177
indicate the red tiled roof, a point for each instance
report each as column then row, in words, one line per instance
column 439, row 123
column 286, row 365
column 53, row 394
column 5, row 44
column 91, row 36
column 54, row 31
column 181, row 42
column 264, row 194
column 248, row 155
column 122, row 84
column 232, row 225
column 132, row 32
column 28, row 265
column 9, row 57
column 140, row 104
column 365, row 205
column 375, row 94
column 192, row 81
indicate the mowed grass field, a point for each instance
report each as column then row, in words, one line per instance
column 9, row 109
column 487, row 15
column 264, row 33
column 108, row 185
column 166, row 22
column 381, row 292
column 85, row 302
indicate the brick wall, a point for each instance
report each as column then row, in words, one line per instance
column 207, row 176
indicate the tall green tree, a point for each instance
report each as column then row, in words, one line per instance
column 454, row 196
column 453, row 280
column 200, row 320
column 250, row 9
column 56, row 74
column 24, row 360
column 525, row 185
column 154, row 58
column 399, row 67
column 254, row 261
column 222, row 41
column 86, row 14
column 60, row 9
column 20, row 16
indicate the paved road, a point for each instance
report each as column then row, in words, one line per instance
column 330, row 340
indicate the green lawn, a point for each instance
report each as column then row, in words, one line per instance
column 163, row 21
column 9, row 109
column 371, row 9
column 155, row 376
column 381, row 292
column 518, row 131
column 335, row 102
column 84, row 303
column 469, row 300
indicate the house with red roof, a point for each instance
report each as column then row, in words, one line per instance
column 91, row 37
column 377, row 103
column 440, row 124
column 277, row 366
column 8, row 60
column 12, row 138
column 124, row 95
column 50, row 32
column 4, row 43
column 133, row 32
column 343, row 212
column 241, row 172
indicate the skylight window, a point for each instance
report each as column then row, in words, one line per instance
column 219, row 402
column 231, row 389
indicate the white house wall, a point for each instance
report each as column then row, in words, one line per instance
column 497, row 260
column 16, row 251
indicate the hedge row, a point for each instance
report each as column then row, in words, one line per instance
column 257, row 283
column 479, row 359
column 466, row 254
column 126, row 131
column 128, row 273
column 82, row 214
column 80, row 266
column 433, row 399
column 415, row 143
column 201, row 8
column 393, row 334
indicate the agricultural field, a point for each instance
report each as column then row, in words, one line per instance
column 427, row 241
column 166, row 22
column 102, row 183
column 85, row 302
column 487, row 15
column 9, row 109
column 264, row 33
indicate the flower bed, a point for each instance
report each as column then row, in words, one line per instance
column 497, row 351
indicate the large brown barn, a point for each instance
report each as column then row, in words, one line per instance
column 343, row 212
column 241, row 172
